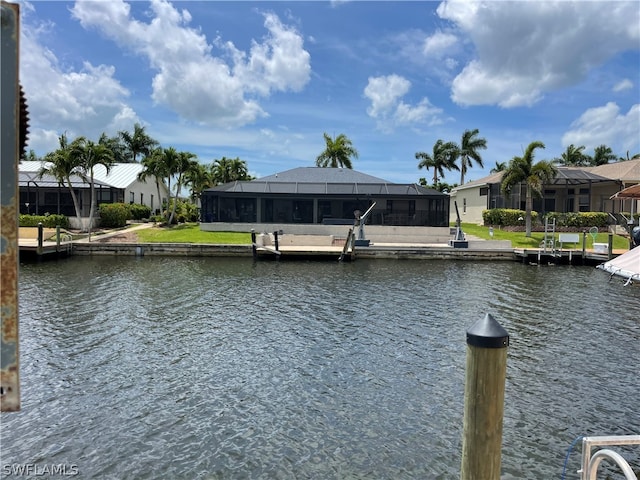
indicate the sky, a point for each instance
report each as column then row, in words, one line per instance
column 263, row 81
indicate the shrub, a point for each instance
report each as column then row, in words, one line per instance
column 138, row 211
column 506, row 217
column 114, row 215
column 49, row 221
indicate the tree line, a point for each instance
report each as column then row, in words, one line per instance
column 166, row 165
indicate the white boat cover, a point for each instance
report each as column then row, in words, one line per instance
column 626, row 266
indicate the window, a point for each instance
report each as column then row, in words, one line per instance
column 152, row 203
column 142, row 199
column 132, row 197
column 464, row 205
column 484, row 191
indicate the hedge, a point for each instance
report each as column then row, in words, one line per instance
column 48, row 221
column 510, row 217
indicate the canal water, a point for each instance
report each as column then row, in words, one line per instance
column 203, row 368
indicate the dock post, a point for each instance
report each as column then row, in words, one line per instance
column 253, row 244
column 584, row 246
column 486, row 369
column 57, row 238
column 40, row 237
column 275, row 237
column 610, row 246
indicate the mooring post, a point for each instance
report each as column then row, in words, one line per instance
column 486, row 369
column 40, row 237
column 253, row 244
column 275, row 237
column 610, row 246
column 584, row 245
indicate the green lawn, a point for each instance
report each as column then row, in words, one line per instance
column 191, row 233
column 519, row 240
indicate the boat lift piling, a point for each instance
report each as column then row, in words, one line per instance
column 486, row 369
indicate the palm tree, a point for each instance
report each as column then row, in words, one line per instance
column 522, row 169
column 62, row 164
column 89, row 155
column 573, row 157
column 602, row 155
column 500, row 167
column 468, row 151
column 154, row 166
column 442, row 158
column 137, row 142
column 229, row 170
column 179, row 166
column 338, row 152
column 198, row 178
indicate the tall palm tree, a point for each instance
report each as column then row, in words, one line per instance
column 442, row 158
column 522, row 169
column 62, row 164
column 137, row 142
column 155, row 167
column 227, row 170
column 467, row 151
column 89, row 155
column 178, row 168
column 602, row 155
column 573, row 157
column 198, row 178
column 338, row 152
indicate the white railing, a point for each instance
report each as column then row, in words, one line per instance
column 590, row 462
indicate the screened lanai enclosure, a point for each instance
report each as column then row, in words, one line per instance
column 327, row 196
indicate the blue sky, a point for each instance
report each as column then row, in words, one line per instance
column 264, row 80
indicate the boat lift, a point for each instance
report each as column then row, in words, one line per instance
column 361, row 241
column 459, row 240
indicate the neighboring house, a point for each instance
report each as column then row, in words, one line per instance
column 574, row 189
column 41, row 195
column 330, row 196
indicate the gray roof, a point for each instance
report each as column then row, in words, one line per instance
column 565, row 176
column 323, row 181
column 322, row 175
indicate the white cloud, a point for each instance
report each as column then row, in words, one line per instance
column 622, row 85
column 87, row 102
column 387, row 107
column 527, row 48
column 605, row 125
column 190, row 79
column 438, row 44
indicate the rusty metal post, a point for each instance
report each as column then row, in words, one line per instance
column 9, row 204
column 486, row 371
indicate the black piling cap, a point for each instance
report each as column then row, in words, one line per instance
column 487, row 333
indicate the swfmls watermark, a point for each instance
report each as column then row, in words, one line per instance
column 39, row 470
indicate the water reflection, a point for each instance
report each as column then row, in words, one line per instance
column 222, row 368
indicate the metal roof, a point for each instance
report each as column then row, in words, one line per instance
column 29, row 179
column 121, row 175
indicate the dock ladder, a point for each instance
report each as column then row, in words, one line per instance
column 549, row 241
column 590, row 462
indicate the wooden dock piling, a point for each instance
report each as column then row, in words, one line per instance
column 486, row 369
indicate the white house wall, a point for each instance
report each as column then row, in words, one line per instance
column 146, row 193
column 470, row 205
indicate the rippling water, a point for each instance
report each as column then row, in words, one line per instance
column 144, row 368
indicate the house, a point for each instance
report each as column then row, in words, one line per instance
column 44, row 194
column 323, row 196
column 574, row 189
